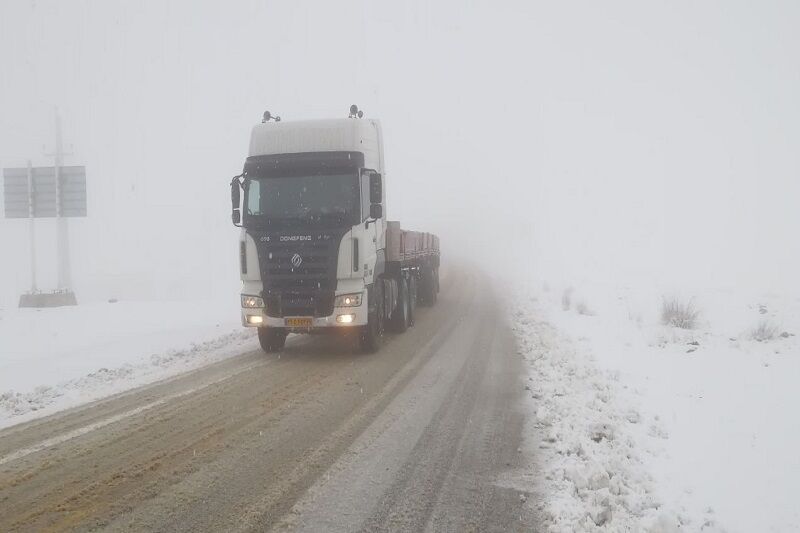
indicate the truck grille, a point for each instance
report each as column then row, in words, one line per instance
column 299, row 277
column 293, row 266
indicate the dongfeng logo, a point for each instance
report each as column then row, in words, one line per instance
column 297, row 260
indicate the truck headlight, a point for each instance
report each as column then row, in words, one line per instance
column 251, row 302
column 348, row 300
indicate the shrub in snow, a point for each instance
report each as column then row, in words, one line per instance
column 583, row 309
column 679, row 313
column 635, row 317
column 764, row 331
column 566, row 299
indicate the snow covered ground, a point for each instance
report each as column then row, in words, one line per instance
column 52, row 359
column 641, row 426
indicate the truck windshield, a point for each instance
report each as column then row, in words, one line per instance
column 318, row 199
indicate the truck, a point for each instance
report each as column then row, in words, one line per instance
column 316, row 251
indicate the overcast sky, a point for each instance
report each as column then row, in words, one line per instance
column 628, row 142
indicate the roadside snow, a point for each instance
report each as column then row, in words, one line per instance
column 53, row 359
column 644, row 427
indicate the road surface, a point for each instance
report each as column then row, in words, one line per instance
column 417, row 437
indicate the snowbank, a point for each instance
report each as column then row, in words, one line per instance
column 641, row 426
column 52, row 359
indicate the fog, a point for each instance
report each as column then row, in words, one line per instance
column 563, row 142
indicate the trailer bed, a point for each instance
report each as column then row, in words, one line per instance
column 410, row 247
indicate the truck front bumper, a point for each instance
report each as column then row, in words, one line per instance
column 342, row 318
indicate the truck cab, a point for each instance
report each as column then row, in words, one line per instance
column 309, row 243
column 312, row 248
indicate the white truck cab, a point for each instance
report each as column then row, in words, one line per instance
column 311, row 206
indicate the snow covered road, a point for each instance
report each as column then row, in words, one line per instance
column 589, row 417
column 423, row 435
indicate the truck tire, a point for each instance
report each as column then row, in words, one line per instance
column 427, row 286
column 412, row 299
column 272, row 339
column 370, row 337
column 399, row 318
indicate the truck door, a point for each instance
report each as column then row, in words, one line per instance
column 372, row 230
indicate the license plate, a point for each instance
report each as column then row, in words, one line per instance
column 298, row 322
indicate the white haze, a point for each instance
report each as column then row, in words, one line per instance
column 633, row 142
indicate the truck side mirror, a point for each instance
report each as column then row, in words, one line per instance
column 375, row 211
column 375, row 189
column 236, row 198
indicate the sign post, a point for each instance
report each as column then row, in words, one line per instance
column 32, row 228
column 47, row 192
column 62, row 230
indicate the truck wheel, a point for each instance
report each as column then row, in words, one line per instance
column 412, row 299
column 370, row 337
column 427, row 287
column 400, row 313
column 272, row 339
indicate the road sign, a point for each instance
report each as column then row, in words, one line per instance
column 37, row 196
column 16, row 193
